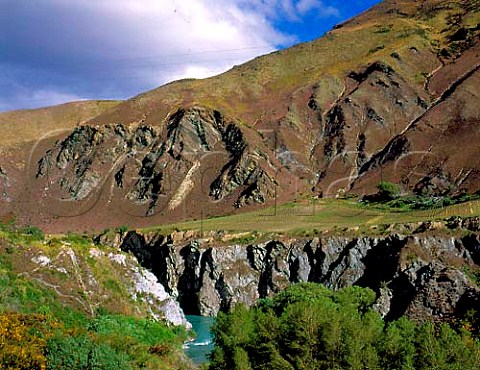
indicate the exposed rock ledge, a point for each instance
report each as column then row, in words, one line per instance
column 421, row 275
column 71, row 273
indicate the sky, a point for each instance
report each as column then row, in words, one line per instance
column 55, row 51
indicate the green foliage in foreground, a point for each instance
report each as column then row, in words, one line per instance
column 37, row 331
column 112, row 342
column 107, row 342
column 308, row 326
column 82, row 352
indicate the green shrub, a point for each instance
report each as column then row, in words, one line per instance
column 388, row 190
column 383, row 29
column 78, row 239
column 378, row 48
column 72, row 353
column 122, row 229
column 145, row 331
column 33, row 231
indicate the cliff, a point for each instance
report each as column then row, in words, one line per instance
column 88, row 279
column 425, row 275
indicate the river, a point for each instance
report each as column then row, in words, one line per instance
column 199, row 349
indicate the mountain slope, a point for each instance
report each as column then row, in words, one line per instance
column 29, row 125
column 384, row 95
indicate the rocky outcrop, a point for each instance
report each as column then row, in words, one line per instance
column 94, row 278
column 145, row 289
column 197, row 151
column 4, row 185
column 420, row 275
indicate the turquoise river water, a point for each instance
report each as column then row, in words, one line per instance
column 199, row 349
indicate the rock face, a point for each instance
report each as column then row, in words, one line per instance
column 151, row 170
column 93, row 278
column 421, row 276
column 154, row 159
column 146, row 290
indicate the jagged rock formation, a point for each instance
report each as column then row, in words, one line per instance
column 158, row 169
column 422, row 276
column 145, row 289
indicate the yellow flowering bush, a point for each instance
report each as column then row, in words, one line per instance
column 23, row 340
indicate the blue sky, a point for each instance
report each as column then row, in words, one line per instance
column 54, row 51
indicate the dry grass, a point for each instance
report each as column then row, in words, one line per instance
column 320, row 216
column 23, row 126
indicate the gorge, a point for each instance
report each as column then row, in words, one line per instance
column 429, row 274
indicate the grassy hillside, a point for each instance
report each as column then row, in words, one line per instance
column 388, row 95
column 65, row 304
column 23, row 126
column 262, row 89
column 323, row 216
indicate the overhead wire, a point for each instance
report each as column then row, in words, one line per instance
column 157, row 65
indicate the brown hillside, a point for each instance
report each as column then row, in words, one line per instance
column 30, row 124
column 391, row 94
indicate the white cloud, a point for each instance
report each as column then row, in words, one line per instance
column 163, row 35
column 291, row 10
column 305, row 6
column 55, row 97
